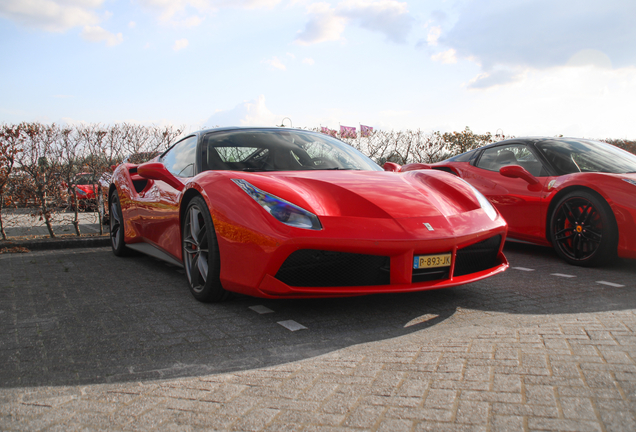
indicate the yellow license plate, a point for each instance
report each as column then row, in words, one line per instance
column 431, row 261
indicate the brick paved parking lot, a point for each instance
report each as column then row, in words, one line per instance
column 90, row 341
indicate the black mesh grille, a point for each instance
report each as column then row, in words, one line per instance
column 477, row 257
column 317, row 268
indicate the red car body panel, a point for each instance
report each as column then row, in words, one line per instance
column 363, row 212
column 527, row 209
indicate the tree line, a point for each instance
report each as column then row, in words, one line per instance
column 39, row 163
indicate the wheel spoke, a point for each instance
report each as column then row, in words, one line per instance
column 202, row 265
column 194, row 224
column 195, row 277
column 201, row 236
column 561, row 235
column 115, row 223
column 592, row 236
column 115, row 212
column 190, row 245
column 569, row 214
column 576, row 246
column 189, row 249
column 587, row 212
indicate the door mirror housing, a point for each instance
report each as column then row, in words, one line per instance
column 414, row 166
column 516, row 171
column 391, row 166
column 157, row 171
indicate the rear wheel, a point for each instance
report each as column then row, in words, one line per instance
column 201, row 253
column 583, row 230
column 117, row 226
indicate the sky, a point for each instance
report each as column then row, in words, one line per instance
column 521, row 67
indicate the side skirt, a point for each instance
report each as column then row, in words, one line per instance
column 149, row 249
column 514, row 240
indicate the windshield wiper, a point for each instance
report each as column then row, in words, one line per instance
column 256, row 169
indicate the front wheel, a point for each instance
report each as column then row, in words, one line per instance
column 117, row 226
column 201, row 253
column 583, row 230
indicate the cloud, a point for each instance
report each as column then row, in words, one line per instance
column 51, row 15
column 180, row 44
column 309, row 61
column 248, row 113
column 590, row 57
column 389, row 17
column 543, row 33
column 491, row 79
column 275, row 63
column 98, row 34
column 179, row 12
column 448, row 56
column 327, row 23
column 188, row 22
column 433, row 35
column 324, row 25
column 585, row 101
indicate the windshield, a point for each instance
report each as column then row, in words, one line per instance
column 280, row 150
column 572, row 156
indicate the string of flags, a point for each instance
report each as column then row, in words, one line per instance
column 348, row 131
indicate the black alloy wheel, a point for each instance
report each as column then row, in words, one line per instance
column 583, row 229
column 201, row 253
column 117, row 226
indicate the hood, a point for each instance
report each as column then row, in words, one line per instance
column 370, row 193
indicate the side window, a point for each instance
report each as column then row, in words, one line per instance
column 181, row 159
column 494, row 158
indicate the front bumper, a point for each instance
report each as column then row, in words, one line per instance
column 378, row 253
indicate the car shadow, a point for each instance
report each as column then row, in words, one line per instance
column 73, row 318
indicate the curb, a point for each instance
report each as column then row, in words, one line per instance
column 57, row 243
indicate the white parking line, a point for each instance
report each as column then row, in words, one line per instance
column 523, row 269
column 292, row 325
column 562, row 275
column 261, row 309
column 612, row 284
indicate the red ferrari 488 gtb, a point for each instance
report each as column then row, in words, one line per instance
column 576, row 195
column 274, row 212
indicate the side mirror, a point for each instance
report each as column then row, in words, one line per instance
column 414, row 166
column 516, row 171
column 157, row 171
column 391, row 166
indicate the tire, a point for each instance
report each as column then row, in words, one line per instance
column 116, row 224
column 201, row 253
column 583, row 229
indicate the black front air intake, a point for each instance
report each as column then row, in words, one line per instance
column 477, row 257
column 430, row 274
column 318, row 268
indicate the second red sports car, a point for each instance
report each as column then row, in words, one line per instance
column 275, row 212
column 574, row 194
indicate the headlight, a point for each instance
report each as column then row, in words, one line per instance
column 630, row 181
column 80, row 192
column 282, row 210
column 483, row 202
